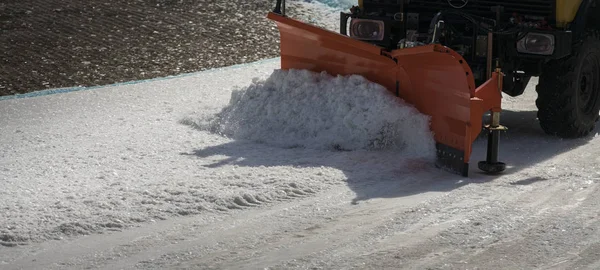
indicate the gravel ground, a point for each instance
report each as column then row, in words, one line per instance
column 65, row 43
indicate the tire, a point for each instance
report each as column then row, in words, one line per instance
column 569, row 91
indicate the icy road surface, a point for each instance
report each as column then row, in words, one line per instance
column 117, row 178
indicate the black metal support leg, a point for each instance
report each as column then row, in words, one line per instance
column 491, row 165
column 280, row 7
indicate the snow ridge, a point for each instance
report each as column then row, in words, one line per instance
column 299, row 108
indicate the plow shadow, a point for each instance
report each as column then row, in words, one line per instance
column 385, row 174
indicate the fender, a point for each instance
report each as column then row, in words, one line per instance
column 579, row 24
column 566, row 11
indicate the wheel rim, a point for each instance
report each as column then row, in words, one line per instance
column 589, row 84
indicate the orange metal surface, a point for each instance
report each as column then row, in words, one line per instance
column 304, row 46
column 434, row 78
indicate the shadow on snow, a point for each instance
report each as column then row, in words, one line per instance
column 385, row 174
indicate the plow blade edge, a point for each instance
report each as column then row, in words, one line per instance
column 433, row 78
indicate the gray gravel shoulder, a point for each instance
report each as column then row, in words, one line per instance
column 52, row 43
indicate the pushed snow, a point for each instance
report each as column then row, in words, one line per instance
column 338, row 3
column 299, row 108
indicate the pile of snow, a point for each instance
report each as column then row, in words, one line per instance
column 344, row 4
column 299, row 108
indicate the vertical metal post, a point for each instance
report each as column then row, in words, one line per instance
column 491, row 164
column 283, row 7
column 490, row 52
column 280, row 7
column 493, row 139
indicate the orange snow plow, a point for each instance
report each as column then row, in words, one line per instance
column 437, row 80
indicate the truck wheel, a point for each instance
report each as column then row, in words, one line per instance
column 569, row 92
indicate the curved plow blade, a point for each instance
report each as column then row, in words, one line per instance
column 435, row 79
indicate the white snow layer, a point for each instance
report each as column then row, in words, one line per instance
column 339, row 3
column 110, row 158
column 299, row 108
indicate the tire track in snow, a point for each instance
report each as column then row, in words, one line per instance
column 291, row 230
column 509, row 223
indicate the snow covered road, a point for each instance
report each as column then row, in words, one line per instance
column 90, row 161
column 110, row 178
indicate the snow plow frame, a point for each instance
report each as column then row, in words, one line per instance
column 435, row 79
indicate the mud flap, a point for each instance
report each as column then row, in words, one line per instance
column 434, row 78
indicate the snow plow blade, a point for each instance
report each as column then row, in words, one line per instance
column 433, row 78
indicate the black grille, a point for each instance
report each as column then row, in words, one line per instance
column 543, row 8
column 388, row 6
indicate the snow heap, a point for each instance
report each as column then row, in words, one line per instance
column 299, row 108
column 339, row 3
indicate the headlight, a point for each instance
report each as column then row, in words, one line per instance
column 536, row 43
column 367, row 29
